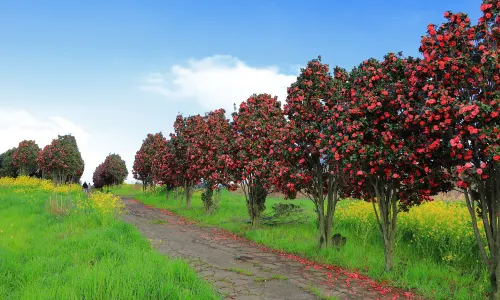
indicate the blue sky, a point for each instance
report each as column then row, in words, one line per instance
column 111, row 72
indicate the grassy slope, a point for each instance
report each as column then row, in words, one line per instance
column 363, row 251
column 82, row 257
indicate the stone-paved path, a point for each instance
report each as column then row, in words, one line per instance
column 240, row 269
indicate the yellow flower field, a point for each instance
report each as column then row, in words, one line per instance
column 438, row 229
column 103, row 203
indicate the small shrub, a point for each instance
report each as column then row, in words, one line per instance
column 286, row 210
column 210, row 199
column 284, row 213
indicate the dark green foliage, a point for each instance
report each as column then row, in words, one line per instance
column 209, row 197
column 284, row 213
column 7, row 166
column 286, row 209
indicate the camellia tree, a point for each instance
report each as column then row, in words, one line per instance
column 171, row 165
column 25, row 157
column 307, row 161
column 458, row 83
column 382, row 142
column 165, row 168
column 7, row 165
column 61, row 160
column 115, row 170
column 210, row 149
column 98, row 177
column 255, row 127
column 194, row 137
column 153, row 144
column 111, row 172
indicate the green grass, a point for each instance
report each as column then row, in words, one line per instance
column 82, row 256
column 273, row 277
column 278, row 277
column 363, row 251
column 316, row 292
column 241, row 271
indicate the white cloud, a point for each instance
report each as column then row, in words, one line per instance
column 18, row 125
column 217, row 82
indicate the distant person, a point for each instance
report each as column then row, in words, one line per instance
column 86, row 187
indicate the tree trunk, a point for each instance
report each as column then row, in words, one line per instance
column 332, row 199
column 187, row 190
column 494, row 283
column 323, row 237
column 486, row 196
column 253, row 208
column 388, row 253
column 255, row 215
column 255, row 195
column 387, row 220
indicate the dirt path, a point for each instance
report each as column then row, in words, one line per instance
column 240, row 269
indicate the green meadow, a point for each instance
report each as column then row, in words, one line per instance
column 68, row 249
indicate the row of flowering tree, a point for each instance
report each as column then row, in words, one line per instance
column 393, row 132
column 60, row 161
